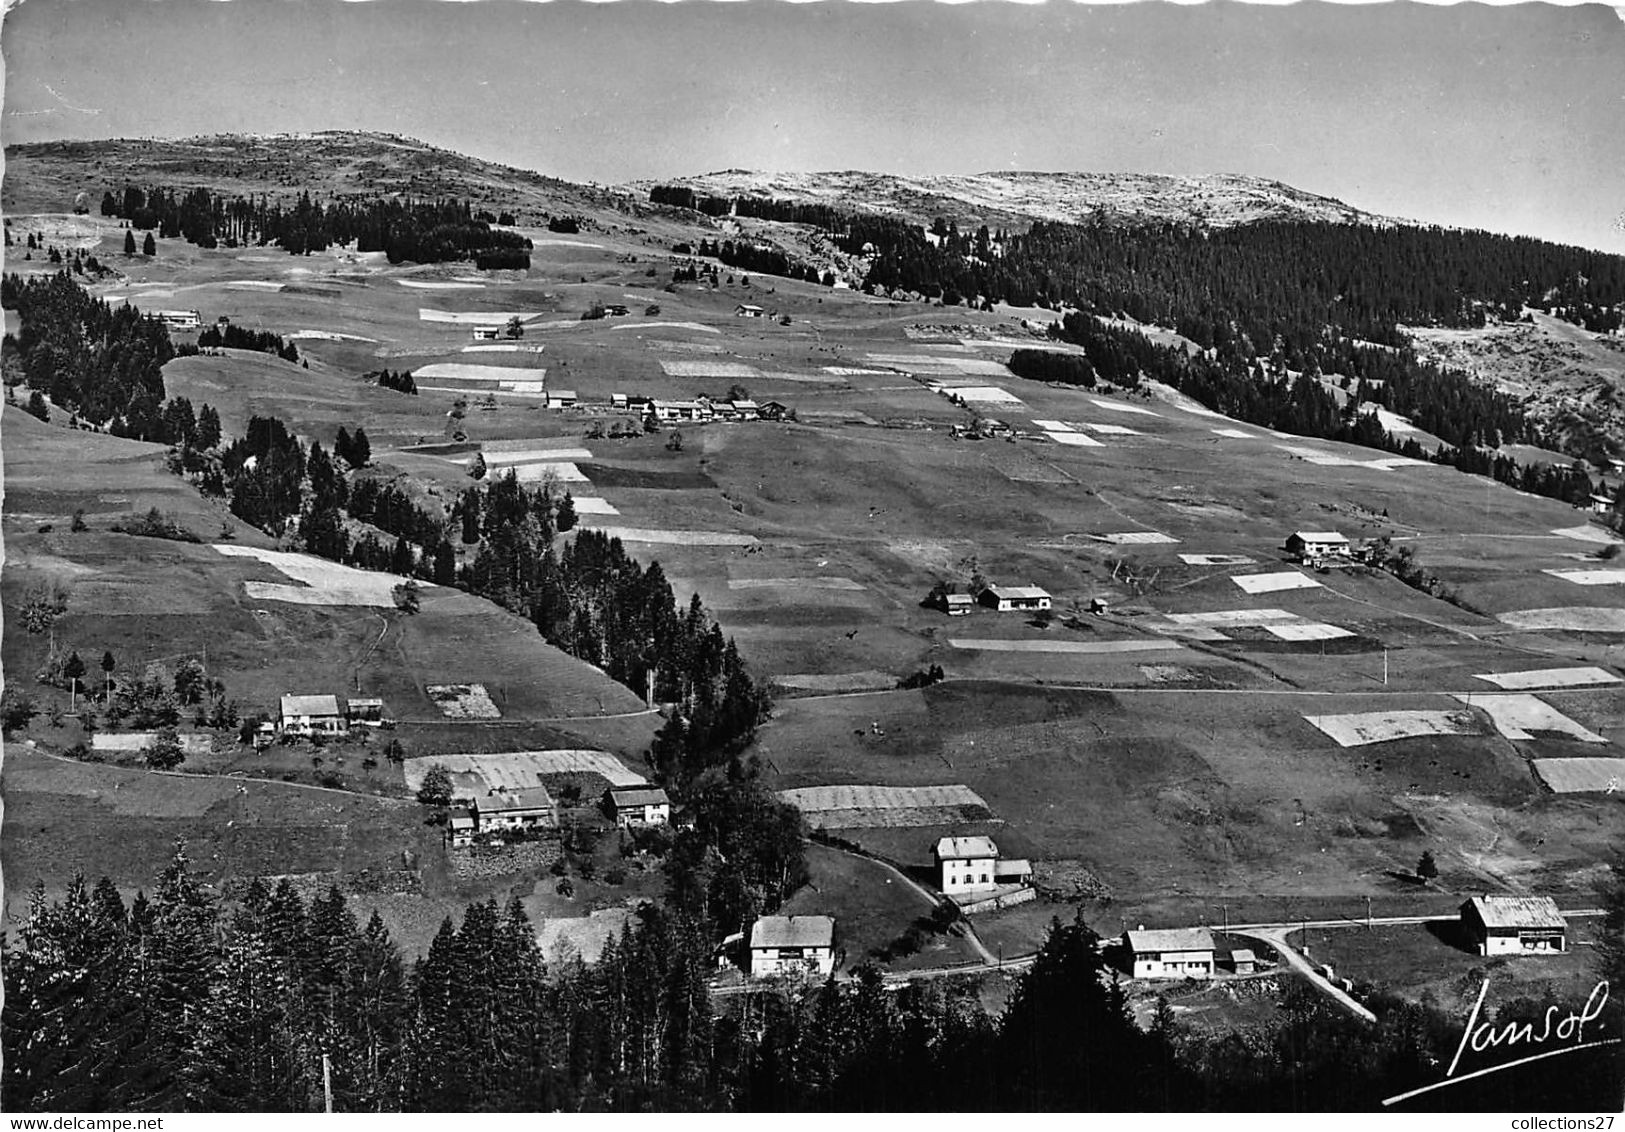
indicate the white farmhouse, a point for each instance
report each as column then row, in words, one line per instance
column 785, row 945
column 967, row 864
column 1515, row 925
column 1171, row 953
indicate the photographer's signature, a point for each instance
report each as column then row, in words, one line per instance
column 1566, row 1030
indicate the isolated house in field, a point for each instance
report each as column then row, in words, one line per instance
column 487, row 333
column 1306, row 546
column 561, row 398
column 1601, row 505
column 1515, row 925
column 638, row 805
column 310, row 715
column 956, row 605
column 748, row 310
column 1007, row 599
column 1170, row 953
column 785, row 945
column 528, row 808
column 615, row 310
column 181, row 320
column 460, row 831
column 966, row 864
column 773, row 410
column 364, row 713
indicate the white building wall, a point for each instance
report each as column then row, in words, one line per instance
column 968, row 875
column 1175, row 965
column 766, row 961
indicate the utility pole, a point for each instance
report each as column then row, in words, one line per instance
column 327, row 1083
column 1368, row 913
column 1384, row 668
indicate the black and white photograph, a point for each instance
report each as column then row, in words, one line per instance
column 812, row 557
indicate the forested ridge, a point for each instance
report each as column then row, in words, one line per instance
column 104, row 364
column 422, row 231
column 184, row 1001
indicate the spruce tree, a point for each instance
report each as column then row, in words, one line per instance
column 149, row 246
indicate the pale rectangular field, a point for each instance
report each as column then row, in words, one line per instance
column 1549, row 678
column 1076, row 647
column 476, row 318
column 1216, row 560
column 1573, row 618
column 556, row 242
column 1234, row 433
column 1590, row 577
column 320, row 582
column 1516, row 714
column 252, row 285
column 1308, row 631
column 855, row 371
column 560, row 470
column 465, row 371
column 700, row 326
column 1328, row 459
column 823, row 583
column 328, row 336
column 1237, row 618
column 1359, row 728
column 428, row 285
column 684, row 367
column 979, row 367
column 520, row 390
column 1074, row 439
column 518, row 770
column 1585, row 532
column 858, row 797
column 134, row 741
column 534, row 456
column 1274, row 583
column 592, row 505
column 986, row 395
column 1117, row 407
column 1053, row 426
column 500, row 348
column 869, row 681
column 463, row 701
column 676, row 538
column 1583, row 776
column 1137, row 538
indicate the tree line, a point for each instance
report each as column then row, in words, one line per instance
column 233, row 337
column 422, row 231
column 186, row 1001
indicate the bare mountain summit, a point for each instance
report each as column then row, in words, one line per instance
column 1018, row 198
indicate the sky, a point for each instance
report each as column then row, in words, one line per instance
column 1505, row 118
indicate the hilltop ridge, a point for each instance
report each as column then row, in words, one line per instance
column 1016, row 198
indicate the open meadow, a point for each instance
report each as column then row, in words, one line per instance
column 1196, row 722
